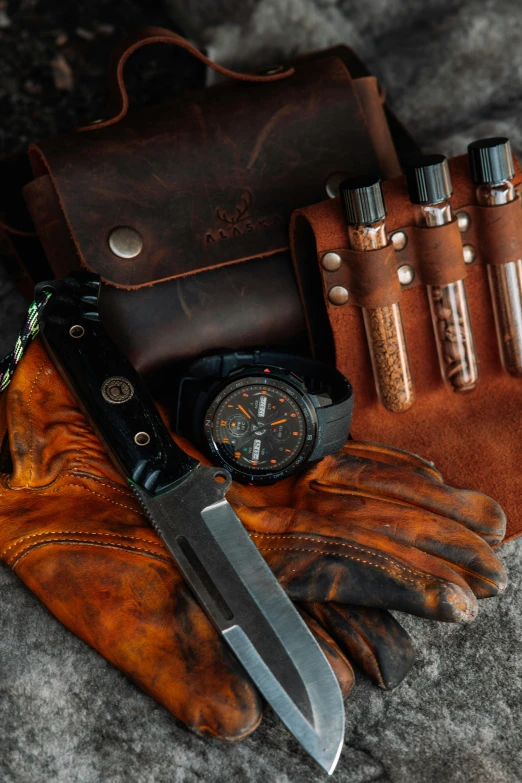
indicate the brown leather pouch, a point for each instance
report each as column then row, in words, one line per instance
column 476, row 438
column 207, row 185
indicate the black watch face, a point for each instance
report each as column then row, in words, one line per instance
column 260, row 428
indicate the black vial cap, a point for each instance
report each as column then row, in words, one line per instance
column 428, row 179
column 362, row 200
column 491, row 161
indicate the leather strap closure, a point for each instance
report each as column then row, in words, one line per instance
column 434, row 254
column 493, row 236
column 370, row 277
column 496, row 231
column 118, row 104
column 437, row 254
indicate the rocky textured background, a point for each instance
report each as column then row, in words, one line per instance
column 452, row 70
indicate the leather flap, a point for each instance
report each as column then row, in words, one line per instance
column 209, row 179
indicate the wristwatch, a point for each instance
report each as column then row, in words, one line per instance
column 263, row 415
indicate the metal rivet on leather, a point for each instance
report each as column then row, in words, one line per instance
column 338, row 295
column 77, row 331
column 400, row 240
column 406, row 274
column 331, row 261
column 464, row 221
column 125, row 242
column 470, row 254
column 142, row 438
column 333, row 181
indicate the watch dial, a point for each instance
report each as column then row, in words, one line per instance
column 259, row 427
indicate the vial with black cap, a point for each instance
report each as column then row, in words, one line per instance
column 364, row 210
column 491, row 166
column 430, row 189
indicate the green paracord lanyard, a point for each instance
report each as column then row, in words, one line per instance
column 27, row 334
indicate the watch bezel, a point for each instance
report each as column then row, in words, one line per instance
column 279, row 380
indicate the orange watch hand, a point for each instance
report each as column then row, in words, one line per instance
column 274, row 423
column 244, row 411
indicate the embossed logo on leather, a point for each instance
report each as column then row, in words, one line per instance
column 240, row 221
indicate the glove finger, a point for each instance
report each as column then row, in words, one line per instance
column 341, row 666
column 356, row 566
column 349, row 475
column 391, row 455
column 371, row 638
column 457, row 546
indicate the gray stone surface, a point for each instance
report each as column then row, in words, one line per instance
column 452, row 71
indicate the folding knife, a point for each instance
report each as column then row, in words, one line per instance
column 185, row 502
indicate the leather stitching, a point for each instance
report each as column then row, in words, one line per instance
column 29, row 400
column 76, row 533
column 103, row 497
column 351, row 557
column 102, row 544
column 47, row 491
column 99, row 480
column 358, row 549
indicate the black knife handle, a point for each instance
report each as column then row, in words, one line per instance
column 107, row 387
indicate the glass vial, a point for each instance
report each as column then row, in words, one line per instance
column 430, row 189
column 365, row 213
column 491, row 165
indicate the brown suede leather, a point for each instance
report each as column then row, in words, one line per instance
column 372, row 526
column 475, row 439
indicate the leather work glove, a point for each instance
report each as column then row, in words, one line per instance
column 76, row 535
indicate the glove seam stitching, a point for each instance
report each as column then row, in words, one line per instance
column 29, row 402
column 98, row 479
column 357, row 548
column 75, row 533
column 47, row 491
column 102, row 544
column 103, row 497
column 351, row 557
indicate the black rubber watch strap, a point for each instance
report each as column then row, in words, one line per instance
column 333, row 420
column 333, row 428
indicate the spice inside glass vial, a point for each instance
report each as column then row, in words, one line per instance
column 363, row 204
column 430, row 189
column 491, row 165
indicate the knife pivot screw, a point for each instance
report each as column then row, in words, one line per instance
column 117, row 390
column 142, row 438
column 77, row 331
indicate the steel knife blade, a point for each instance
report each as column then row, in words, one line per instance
column 186, row 504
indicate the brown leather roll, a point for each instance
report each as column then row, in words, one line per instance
column 475, row 438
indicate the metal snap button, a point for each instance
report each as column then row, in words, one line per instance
column 406, row 274
column 469, row 253
column 399, row 240
column 125, row 242
column 331, row 261
column 338, row 295
column 333, row 181
column 464, row 221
